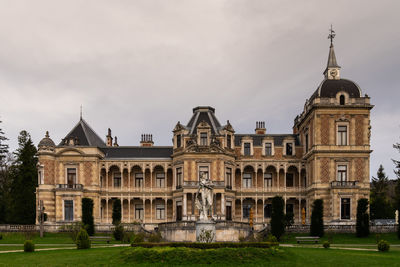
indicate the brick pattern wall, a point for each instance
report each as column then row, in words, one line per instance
column 325, row 129
column 324, row 170
column 359, row 130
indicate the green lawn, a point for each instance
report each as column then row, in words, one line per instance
column 287, row 257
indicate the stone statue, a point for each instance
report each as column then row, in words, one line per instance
column 205, row 201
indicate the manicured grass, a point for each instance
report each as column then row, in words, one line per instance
column 287, row 257
column 346, row 238
column 49, row 238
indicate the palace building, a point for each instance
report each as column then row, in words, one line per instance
column 326, row 156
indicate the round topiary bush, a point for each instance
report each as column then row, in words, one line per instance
column 29, row 246
column 383, row 246
column 272, row 238
column 82, row 240
column 326, row 244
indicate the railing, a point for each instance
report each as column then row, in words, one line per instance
column 179, row 187
column 348, row 184
column 70, row 186
column 190, row 183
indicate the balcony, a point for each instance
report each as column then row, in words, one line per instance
column 343, row 184
column 70, row 187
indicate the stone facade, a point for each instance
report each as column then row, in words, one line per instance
column 326, row 156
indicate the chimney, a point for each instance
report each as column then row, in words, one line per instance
column 260, row 127
column 147, row 140
column 116, row 141
column 109, row 139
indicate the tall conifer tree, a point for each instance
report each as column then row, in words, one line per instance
column 24, row 182
column 4, row 181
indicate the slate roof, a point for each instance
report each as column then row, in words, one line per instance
column 137, row 152
column 85, row 135
column 257, row 138
column 206, row 114
column 329, row 88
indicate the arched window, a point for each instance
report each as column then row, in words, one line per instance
column 342, row 99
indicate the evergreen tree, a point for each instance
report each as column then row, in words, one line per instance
column 87, row 215
column 4, row 181
column 277, row 217
column 362, row 225
column 381, row 207
column 397, row 188
column 23, row 175
column 317, row 218
column 116, row 212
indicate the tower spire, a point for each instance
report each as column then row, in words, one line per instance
column 81, row 113
column 332, row 70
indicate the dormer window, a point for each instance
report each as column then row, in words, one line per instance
column 342, row 99
column 268, row 149
column 229, row 141
column 289, row 149
column 178, row 141
column 247, row 149
column 203, row 139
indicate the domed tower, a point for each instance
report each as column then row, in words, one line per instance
column 334, row 129
column 46, row 175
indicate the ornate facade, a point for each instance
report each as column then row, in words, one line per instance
column 326, row 156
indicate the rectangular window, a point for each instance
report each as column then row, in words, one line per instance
column 247, row 180
column 247, row 150
column 178, row 178
column 203, row 139
column 229, row 141
column 229, row 178
column 345, row 209
column 268, row 149
column 267, row 180
column 267, row 210
column 203, row 170
column 342, row 135
column 68, row 210
column 71, row 176
column 289, row 149
column 160, row 179
column 117, row 180
column 41, row 178
column 306, row 137
column 139, row 180
column 342, row 173
column 289, row 179
column 160, row 212
column 139, row 212
column 178, row 140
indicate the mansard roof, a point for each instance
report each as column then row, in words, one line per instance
column 258, row 138
column 85, row 135
column 137, row 152
column 206, row 114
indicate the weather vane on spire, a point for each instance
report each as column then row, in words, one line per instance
column 332, row 34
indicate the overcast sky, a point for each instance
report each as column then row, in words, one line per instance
column 141, row 66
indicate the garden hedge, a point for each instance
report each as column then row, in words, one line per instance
column 207, row 245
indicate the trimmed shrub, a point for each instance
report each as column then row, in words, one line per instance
column 127, row 237
column 29, row 246
column 317, row 218
column 272, row 239
column 362, row 225
column 326, row 244
column 155, row 237
column 118, row 232
column 72, row 229
column 277, row 217
column 82, row 240
column 87, row 215
column 116, row 211
column 138, row 238
column 383, row 246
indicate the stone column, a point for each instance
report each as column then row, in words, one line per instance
column 299, row 210
column 151, row 209
column 223, row 204
column 107, row 218
column 241, row 209
column 277, row 178
column 184, row 203
column 284, row 177
column 144, row 208
column 263, row 210
column 129, row 180
column 122, row 209
column 256, row 211
column 129, row 210
column 107, row 174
